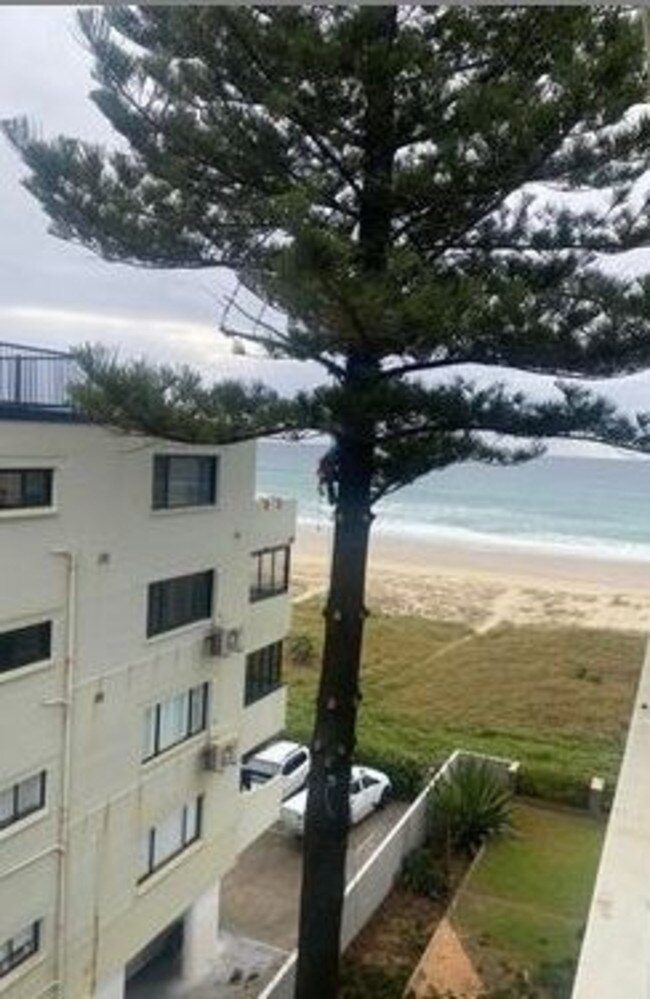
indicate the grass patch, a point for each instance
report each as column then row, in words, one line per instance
column 525, row 904
column 549, row 860
column 558, row 699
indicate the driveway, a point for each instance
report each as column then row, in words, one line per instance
column 260, row 895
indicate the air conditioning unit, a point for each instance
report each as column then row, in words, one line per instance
column 233, row 639
column 219, row 754
column 222, row 641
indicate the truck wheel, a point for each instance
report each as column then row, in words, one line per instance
column 385, row 797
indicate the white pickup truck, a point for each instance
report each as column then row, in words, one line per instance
column 369, row 789
column 284, row 759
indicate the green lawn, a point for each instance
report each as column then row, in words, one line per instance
column 558, row 699
column 525, row 904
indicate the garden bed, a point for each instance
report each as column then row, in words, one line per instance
column 380, row 962
column 517, row 912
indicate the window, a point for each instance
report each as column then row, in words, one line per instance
column 270, row 572
column 178, row 601
column 19, row 947
column 25, row 487
column 184, row 480
column 171, row 836
column 174, row 720
column 23, row 646
column 263, row 672
column 22, row 799
column 293, row 764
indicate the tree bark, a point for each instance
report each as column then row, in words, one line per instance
column 327, row 819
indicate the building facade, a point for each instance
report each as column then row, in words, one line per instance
column 143, row 600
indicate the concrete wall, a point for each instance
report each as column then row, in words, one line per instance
column 102, row 514
column 260, row 809
column 615, row 956
column 372, row 883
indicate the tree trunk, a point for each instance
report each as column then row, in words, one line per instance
column 328, row 802
column 327, row 819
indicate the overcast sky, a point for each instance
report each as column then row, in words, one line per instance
column 57, row 294
column 54, row 293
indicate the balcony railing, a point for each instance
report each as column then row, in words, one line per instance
column 36, row 378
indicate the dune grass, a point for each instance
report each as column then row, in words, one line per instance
column 524, row 905
column 558, row 699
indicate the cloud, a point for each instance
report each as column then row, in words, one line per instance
column 158, row 339
column 58, row 294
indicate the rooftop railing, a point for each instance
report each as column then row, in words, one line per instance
column 36, row 378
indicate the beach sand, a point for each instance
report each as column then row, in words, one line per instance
column 484, row 586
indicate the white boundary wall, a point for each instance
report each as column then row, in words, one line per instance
column 615, row 957
column 372, row 883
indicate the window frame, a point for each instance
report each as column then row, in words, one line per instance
column 45, row 640
column 186, row 840
column 263, row 672
column 162, row 474
column 14, row 960
column 159, row 612
column 258, row 590
column 189, row 731
column 24, row 503
column 17, row 814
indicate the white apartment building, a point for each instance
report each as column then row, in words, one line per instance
column 143, row 601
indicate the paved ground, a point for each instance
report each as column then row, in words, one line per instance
column 260, row 896
column 258, row 916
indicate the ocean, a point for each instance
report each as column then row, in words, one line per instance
column 585, row 506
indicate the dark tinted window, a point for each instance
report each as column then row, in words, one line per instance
column 22, row 799
column 19, row 947
column 263, row 672
column 178, row 601
column 25, row 487
column 270, row 572
column 25, row 645
column 294, row 763
column 184, row 480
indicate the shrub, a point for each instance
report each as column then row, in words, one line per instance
column 553, row 785
column 469, row 805
column 422, row 874
column 367, row 981
column 556, row 979
column 407, row 774
column 302, row 651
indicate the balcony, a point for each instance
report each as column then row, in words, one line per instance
column 35, row 382
column 260, row 809
column 263, row 719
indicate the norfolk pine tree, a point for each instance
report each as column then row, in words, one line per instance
column 374, row 176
